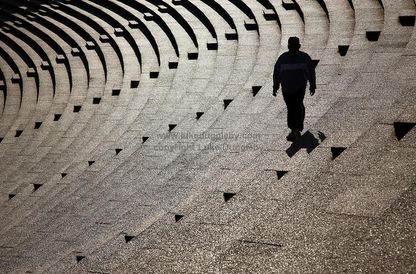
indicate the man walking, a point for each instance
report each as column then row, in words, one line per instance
column 292, row 70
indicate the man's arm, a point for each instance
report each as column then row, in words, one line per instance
column 312, row 76
column 276, row 79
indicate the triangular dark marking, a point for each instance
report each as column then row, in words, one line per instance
column 336, row 151
column 228, row 196
column 212, row 45
column 255, row 90
column 128, row 238
column 79, row 258
column 250, row 25
column 77, row 108
column 192, row 55
column 134, row 83
column 288, row 5
column 372, row 36
column 407, row 20
column 37, row 125
column 343, row 49
column 173, row 65
column 280, row 173
column 233, row 35
column 118, row 150
column 198, row 115
column 63, row 175
column 18, row 133
column 144, row 139
column 154, row 74
column 57, row 117
column 178, row 217
column 171, row 127
column 270, row 15
column 227, row 102
column 402, row 128
column 36, row 187
column 90, row 163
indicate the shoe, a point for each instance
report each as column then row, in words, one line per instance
column 291, row 136
column 297, row 135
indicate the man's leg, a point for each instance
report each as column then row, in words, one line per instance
column 295, row 109
column 299, row 110
column 291, row 109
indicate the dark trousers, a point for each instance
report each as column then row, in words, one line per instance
column 295, row 109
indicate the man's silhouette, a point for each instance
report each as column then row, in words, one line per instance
column 292, row 70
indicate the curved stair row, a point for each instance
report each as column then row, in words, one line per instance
column 141, row 136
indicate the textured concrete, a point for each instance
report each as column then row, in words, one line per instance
column 142, row 137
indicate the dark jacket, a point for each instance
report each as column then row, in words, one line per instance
column 292, row 71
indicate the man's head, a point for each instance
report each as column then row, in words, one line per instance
column 293, row 44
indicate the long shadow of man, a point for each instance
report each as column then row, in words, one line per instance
column 292, row 70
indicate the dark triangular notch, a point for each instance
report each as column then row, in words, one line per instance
column 288, row 5
column 199, row 115
column 250, row 25
column 402, row 128
column 79, row 258
column 255, row 90
column 173, row 65
column 227, row 102
column 45, row 65
column 96, row 100
column 407, row 20
column 11, row 196
column 128, row 238
column 56, row 117
column 228, row 196
column 37, row 125
column 315, row 62
column 118, row 150
column 134, row 84
column 212, row 45
column 270, row 15
column 373, row 36
column 90, row 163
column 178, row 217
column 336, row 151
column 63, row 175
column 36, row 187
column 171, row 127
column 1, row 139
column 343, row 49
column 281, row 173
column 144, row 139
column 18, row 133
column 231, row 35
column 192, row 55
column 154, row 74
column 77, row 108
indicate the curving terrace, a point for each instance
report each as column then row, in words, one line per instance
column 140, row 136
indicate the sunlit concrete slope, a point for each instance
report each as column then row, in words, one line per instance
column 141, row 136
